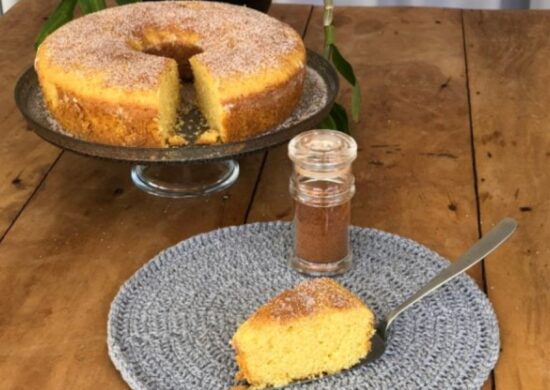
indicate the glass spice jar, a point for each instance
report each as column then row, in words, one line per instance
column 322, row 185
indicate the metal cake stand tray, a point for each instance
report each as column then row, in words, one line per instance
column 190, row 170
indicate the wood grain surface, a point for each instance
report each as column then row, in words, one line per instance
column 414, row 172
column 84, row 232
column 72, row 229
column 508, row 56
column 24, row 158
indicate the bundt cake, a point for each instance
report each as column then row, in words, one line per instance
column 114, row 76
column 316, row 328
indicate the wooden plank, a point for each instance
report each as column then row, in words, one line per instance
column 414, row 170
column 508, row 56
column 24, row 158
column 85, row 232
column 82, row 235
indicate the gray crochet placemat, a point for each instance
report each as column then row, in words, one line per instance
column 169, row 326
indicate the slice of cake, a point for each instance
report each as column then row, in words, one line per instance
column 319, row 327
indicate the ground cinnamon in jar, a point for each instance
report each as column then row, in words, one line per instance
column 322, row 186
column 321, row 233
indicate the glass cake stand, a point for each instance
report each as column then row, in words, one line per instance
column 191, row 170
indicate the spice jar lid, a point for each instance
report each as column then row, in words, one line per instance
column 322, row 150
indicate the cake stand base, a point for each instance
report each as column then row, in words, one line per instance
column 185, row 180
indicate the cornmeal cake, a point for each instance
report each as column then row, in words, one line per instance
column 317, row 328
column 113, row 76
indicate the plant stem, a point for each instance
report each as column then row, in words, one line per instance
column 328, row 12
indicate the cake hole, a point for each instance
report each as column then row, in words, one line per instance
column 198, row 115
column 180, row 53
column 192, row 123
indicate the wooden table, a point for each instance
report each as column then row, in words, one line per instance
column 454, row 136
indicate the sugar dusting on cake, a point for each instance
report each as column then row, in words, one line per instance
column 314, row 97
column 234, row 40
column 39, row 109
column 307, row 298
column 55, row 126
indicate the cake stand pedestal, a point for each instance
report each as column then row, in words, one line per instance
column 191, row 170
column 185, row 180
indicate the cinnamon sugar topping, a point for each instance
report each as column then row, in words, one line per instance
column 307, row 298
column 233, row 40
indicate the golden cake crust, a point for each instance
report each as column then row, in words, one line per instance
column 105, row 68
column 91, row 119
column 306, row 299
column 310, row 307
column 263, row 110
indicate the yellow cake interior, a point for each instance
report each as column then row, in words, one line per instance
column 317, row 328
column 169, row 100
column 208, row 98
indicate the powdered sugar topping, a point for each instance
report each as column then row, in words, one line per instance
column 307, row 298
column 233, row 39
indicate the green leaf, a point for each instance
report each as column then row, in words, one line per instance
column 61, row 15
column 328, row 123
column 355, row 102
column 342, row 65
column 337, row 119
column 123, row 2
column 346, row 70
column 338, row 113
column 89, row 6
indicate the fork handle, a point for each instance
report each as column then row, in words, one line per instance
column 487, row 244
